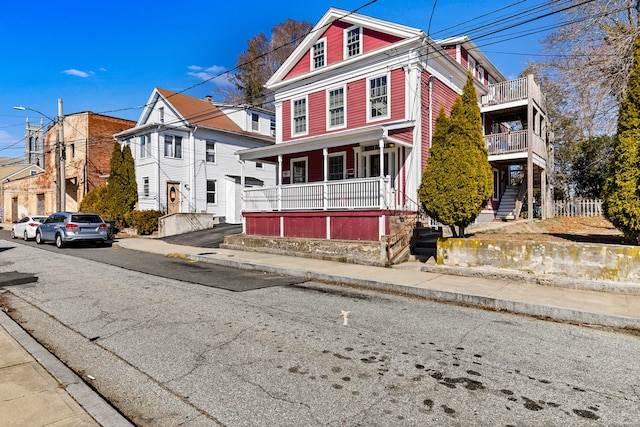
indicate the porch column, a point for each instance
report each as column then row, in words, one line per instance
column 325, row 186
column 382, row 189
column 279, row 183
column 242, row 200
column 530, row 137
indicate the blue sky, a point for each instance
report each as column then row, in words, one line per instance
column 107, row 57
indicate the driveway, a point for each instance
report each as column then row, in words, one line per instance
column 209, row 238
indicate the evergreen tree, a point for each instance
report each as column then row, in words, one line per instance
column 457, row 181
column 122, row 192
column 621, row 193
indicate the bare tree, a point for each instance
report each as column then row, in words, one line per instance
column 262, row 58
column 584, row 71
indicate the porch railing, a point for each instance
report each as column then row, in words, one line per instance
column 361, row 193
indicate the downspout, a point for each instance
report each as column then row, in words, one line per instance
column 242, row 200
column 192, row 184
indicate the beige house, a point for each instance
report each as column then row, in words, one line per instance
column 9, row 171
column 88, row 144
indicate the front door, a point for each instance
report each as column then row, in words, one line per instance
column 173, row 197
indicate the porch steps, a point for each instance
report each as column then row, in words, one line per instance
column 507, row 208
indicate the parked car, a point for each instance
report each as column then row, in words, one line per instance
column 70, row 227
column 26, row 227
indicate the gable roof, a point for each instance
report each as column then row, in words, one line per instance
column 198, row 112
column 354, row 19
column 18, row 171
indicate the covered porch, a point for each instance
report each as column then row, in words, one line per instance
column 338, row 186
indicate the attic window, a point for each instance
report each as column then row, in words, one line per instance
column 353, row 41
column 318, row 54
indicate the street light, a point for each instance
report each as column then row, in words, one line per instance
column 60, row 156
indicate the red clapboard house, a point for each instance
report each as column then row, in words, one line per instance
column 356, row 104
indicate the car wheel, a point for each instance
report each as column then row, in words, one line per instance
column 59, row 242
column 13, row 234
column 24, row 236
column 39, row 238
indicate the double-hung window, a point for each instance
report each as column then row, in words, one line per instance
column 336, row 107
column 255, row 122
column 145, row 146
column 211, row 191
column 173, row 146
column 353, row 42
column 378, row 98
column 318, row 56
column 300, row 116
column 211, row 152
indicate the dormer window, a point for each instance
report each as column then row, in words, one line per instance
column 318, row 54
column 353, row 41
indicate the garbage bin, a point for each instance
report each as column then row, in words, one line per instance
column 111, row 226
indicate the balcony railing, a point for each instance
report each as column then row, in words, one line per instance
column 362, row 193
column 509, row 91
column 514, row 142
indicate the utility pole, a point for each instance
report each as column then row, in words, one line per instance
column 61, row 190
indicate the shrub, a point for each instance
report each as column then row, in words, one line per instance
column 94, row 201
column 145, row 222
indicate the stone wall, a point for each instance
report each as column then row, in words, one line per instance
column 591, row 261
column 352, row 251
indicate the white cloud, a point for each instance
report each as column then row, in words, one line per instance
column 77, row 73
column 215, row 73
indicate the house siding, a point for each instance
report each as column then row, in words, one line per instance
column 356, row 107
column 442, row 98
column 334, row 49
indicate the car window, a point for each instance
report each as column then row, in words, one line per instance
column 85, row 218
column 39, row 218
column 25, row 219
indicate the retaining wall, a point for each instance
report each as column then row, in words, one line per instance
column 591, row 261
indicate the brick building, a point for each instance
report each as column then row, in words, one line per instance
column 88, row 144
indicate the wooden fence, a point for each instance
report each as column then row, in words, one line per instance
column 577, row 207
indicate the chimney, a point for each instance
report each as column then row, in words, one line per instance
column 209, row 99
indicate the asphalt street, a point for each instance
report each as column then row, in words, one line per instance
column 228, row 278
column 166, row 353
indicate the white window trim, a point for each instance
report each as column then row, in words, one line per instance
column 206, row 190
column 215, row 151
column 345, row 39
column 472, row 64
column 481, row 74
column 313, row 50
column 342, row 154
column 344, row 99
column 388, row 115
column 146, row 187
column 173, row 146
column 306, row 168
column 306, row 112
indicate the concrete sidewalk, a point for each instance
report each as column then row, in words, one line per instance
column 37, row 389
column 570, row 301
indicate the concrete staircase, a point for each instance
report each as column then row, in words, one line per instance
column 507, row 209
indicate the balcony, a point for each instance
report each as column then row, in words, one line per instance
column 352, row 194
column 511, row 91
column 514, row 142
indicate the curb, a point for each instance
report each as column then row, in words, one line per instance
column 88, row 399
column 478, row 301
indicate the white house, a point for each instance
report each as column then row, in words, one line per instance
column 184, row 151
